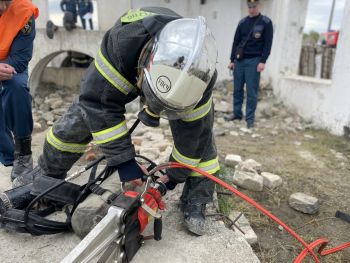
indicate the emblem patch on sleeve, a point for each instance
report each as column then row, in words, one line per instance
column 27, row 29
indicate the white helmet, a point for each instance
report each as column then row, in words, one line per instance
column 179, row 68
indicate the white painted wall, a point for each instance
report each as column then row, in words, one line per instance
column 326, row 103
column 338, row 99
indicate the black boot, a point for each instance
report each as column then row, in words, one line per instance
column 51, row 28
column 23, row 162
column 195, row 218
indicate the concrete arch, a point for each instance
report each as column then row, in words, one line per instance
column 45, row 49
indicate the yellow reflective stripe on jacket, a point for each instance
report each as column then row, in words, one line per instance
column 112, row 75
column 62, row 146
column 183, row 159
column 135, row 15
column 211, row 166
column 110, row 134
column 198, row 113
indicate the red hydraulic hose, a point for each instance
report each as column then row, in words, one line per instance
column 308, row 248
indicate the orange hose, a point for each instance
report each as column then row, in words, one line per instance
column 308, row 247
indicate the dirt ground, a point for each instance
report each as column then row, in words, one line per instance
column 309, row 160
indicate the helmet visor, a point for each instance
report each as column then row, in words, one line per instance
column 181, row 64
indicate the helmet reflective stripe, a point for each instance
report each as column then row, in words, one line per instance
column 211, row 167
column 181, row 65
column 135, row 15
column 63, row 146
column 112, row 75
column 197, row 113
column 110, row 134
column 183, row 159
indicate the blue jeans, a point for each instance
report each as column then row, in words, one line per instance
column 245, row 72
column 15, row 114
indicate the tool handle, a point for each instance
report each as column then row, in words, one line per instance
column 158, row 228
column 342, row 216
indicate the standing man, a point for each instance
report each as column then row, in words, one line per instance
column 250, row 51
column 85, row 8
column 17, row 31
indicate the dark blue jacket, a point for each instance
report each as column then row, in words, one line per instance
column 22, row 48
column 69, row 6
column 259, row 41
column 85, row 7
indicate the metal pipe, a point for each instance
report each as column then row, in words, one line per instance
column 331, row 16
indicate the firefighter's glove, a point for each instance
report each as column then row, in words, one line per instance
column 157, row 196
column 130, row 171
column 153, row 200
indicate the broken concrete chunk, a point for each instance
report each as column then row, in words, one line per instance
column 304, row 203
column 244, row 225
column 249, row 165
column 248, row 180
column 232, row 160
column 271, row 181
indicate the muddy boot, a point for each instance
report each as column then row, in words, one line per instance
column 195, row 218
column 23, row 162
column 51, row 28
column 28, row 178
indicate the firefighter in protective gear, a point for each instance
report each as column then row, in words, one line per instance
column 168, row 61
column 17, row 31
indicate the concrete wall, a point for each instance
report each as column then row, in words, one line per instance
column 45, row 49
column 64, row 77
column 326, row 103
column 222, row 17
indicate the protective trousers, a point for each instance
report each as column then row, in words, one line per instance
column 93, row 115
column 16, row 118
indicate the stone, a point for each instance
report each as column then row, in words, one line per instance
column 57, row 104
column 59, row 111
column 228, row 125
column 154, row 136
column 137, row 140
column 162, row 146
column 244, row 225
column 130, row 116
column 250, row 165
column 234, row 133
column 304, row 203
column 274, row 133
column 44, row 107
column 150, row 153
column 245, row 130
column 48, row 116
column 271, row 181
column 37, row 126
column 220, row 120
column 223, row 106
column 249, row 180
column 219, row 132
column 308, row 136
column 232, row 160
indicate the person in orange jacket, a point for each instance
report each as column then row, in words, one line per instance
column 17, row 31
